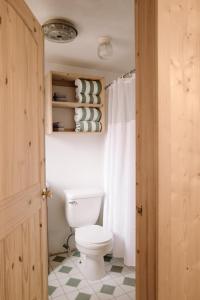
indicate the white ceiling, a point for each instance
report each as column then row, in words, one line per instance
column 93, row 18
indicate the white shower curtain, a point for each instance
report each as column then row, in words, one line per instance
column 119, row 170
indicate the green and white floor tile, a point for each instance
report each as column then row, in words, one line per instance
column 66, row 281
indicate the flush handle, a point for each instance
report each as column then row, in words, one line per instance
column 73, row 202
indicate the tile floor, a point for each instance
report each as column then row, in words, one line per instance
column 66, row 282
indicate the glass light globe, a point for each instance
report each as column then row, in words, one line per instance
column 105, row 49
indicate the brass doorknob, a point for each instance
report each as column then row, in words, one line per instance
column 46, row 193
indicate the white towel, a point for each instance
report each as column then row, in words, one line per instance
column 88, row 126
column 92, row 87
column 87, row 114
column 87, row 98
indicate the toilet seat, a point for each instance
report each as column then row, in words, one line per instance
column 93, row 235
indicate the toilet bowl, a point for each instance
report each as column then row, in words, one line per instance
column 93, row 242
column 82, row 208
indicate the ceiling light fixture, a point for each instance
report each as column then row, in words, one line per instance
column 59, row 31
column 105, row 50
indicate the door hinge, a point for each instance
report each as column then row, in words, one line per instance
column 139, row 209
column 46, row 193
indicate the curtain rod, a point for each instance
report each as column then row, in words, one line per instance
column 126, row 75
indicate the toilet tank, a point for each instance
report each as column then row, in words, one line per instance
column 82, row 206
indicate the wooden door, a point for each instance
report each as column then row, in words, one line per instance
column 23, row 234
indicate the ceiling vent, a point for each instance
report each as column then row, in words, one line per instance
column 59, row 31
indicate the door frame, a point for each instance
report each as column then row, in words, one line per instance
column 146, row 149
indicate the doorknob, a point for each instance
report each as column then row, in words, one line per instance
column 46, row 193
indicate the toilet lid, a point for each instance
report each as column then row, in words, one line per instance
column 93, row 234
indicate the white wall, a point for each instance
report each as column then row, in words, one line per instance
column 71, row 161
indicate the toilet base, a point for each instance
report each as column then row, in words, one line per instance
column 93, row 257
column 93, row 267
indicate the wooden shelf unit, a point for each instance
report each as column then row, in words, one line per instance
column 74, row 104
column 63, row 111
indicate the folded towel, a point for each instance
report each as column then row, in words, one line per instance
column 92, row 87
column 88, row 126
column 87, row 114
column 86, row 98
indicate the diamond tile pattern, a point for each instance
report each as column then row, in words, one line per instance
column 129, row 281
column 107, row 258
column 117, row 269
column 107, row 289
column 51, row 289
column 65, row 269
column 76, row 253
column 83, row 296
column 59, row 258
column 66, row 281
column 73, row 282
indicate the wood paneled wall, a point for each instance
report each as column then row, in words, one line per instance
column 168, row 149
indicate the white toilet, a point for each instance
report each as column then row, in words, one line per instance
column 93, row 241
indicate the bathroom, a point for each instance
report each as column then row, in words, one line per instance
column 91, row 165
column 71, row 224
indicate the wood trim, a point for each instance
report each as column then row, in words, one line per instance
column 74, row 104
column 103, row 107
column 2, row 273
column 43, row 212
column 146, row 148
column 20, row 207
column 73, row 76
column 48, row 104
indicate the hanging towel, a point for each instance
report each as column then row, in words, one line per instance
column 88, row 126
column 87, row 98
column 92, row 87
column 87, row 114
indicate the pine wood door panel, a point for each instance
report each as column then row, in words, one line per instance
column 19, row 110
column 23, row 211
column 26, row 274
column 21, row 274
column 179, row 149
column 35, row 264
column 31, row 267
column 13, row 264
column 14, row 210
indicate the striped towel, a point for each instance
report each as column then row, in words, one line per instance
column 88, row 126
column 92, row 87
column 87, row 114
column 87, row 98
